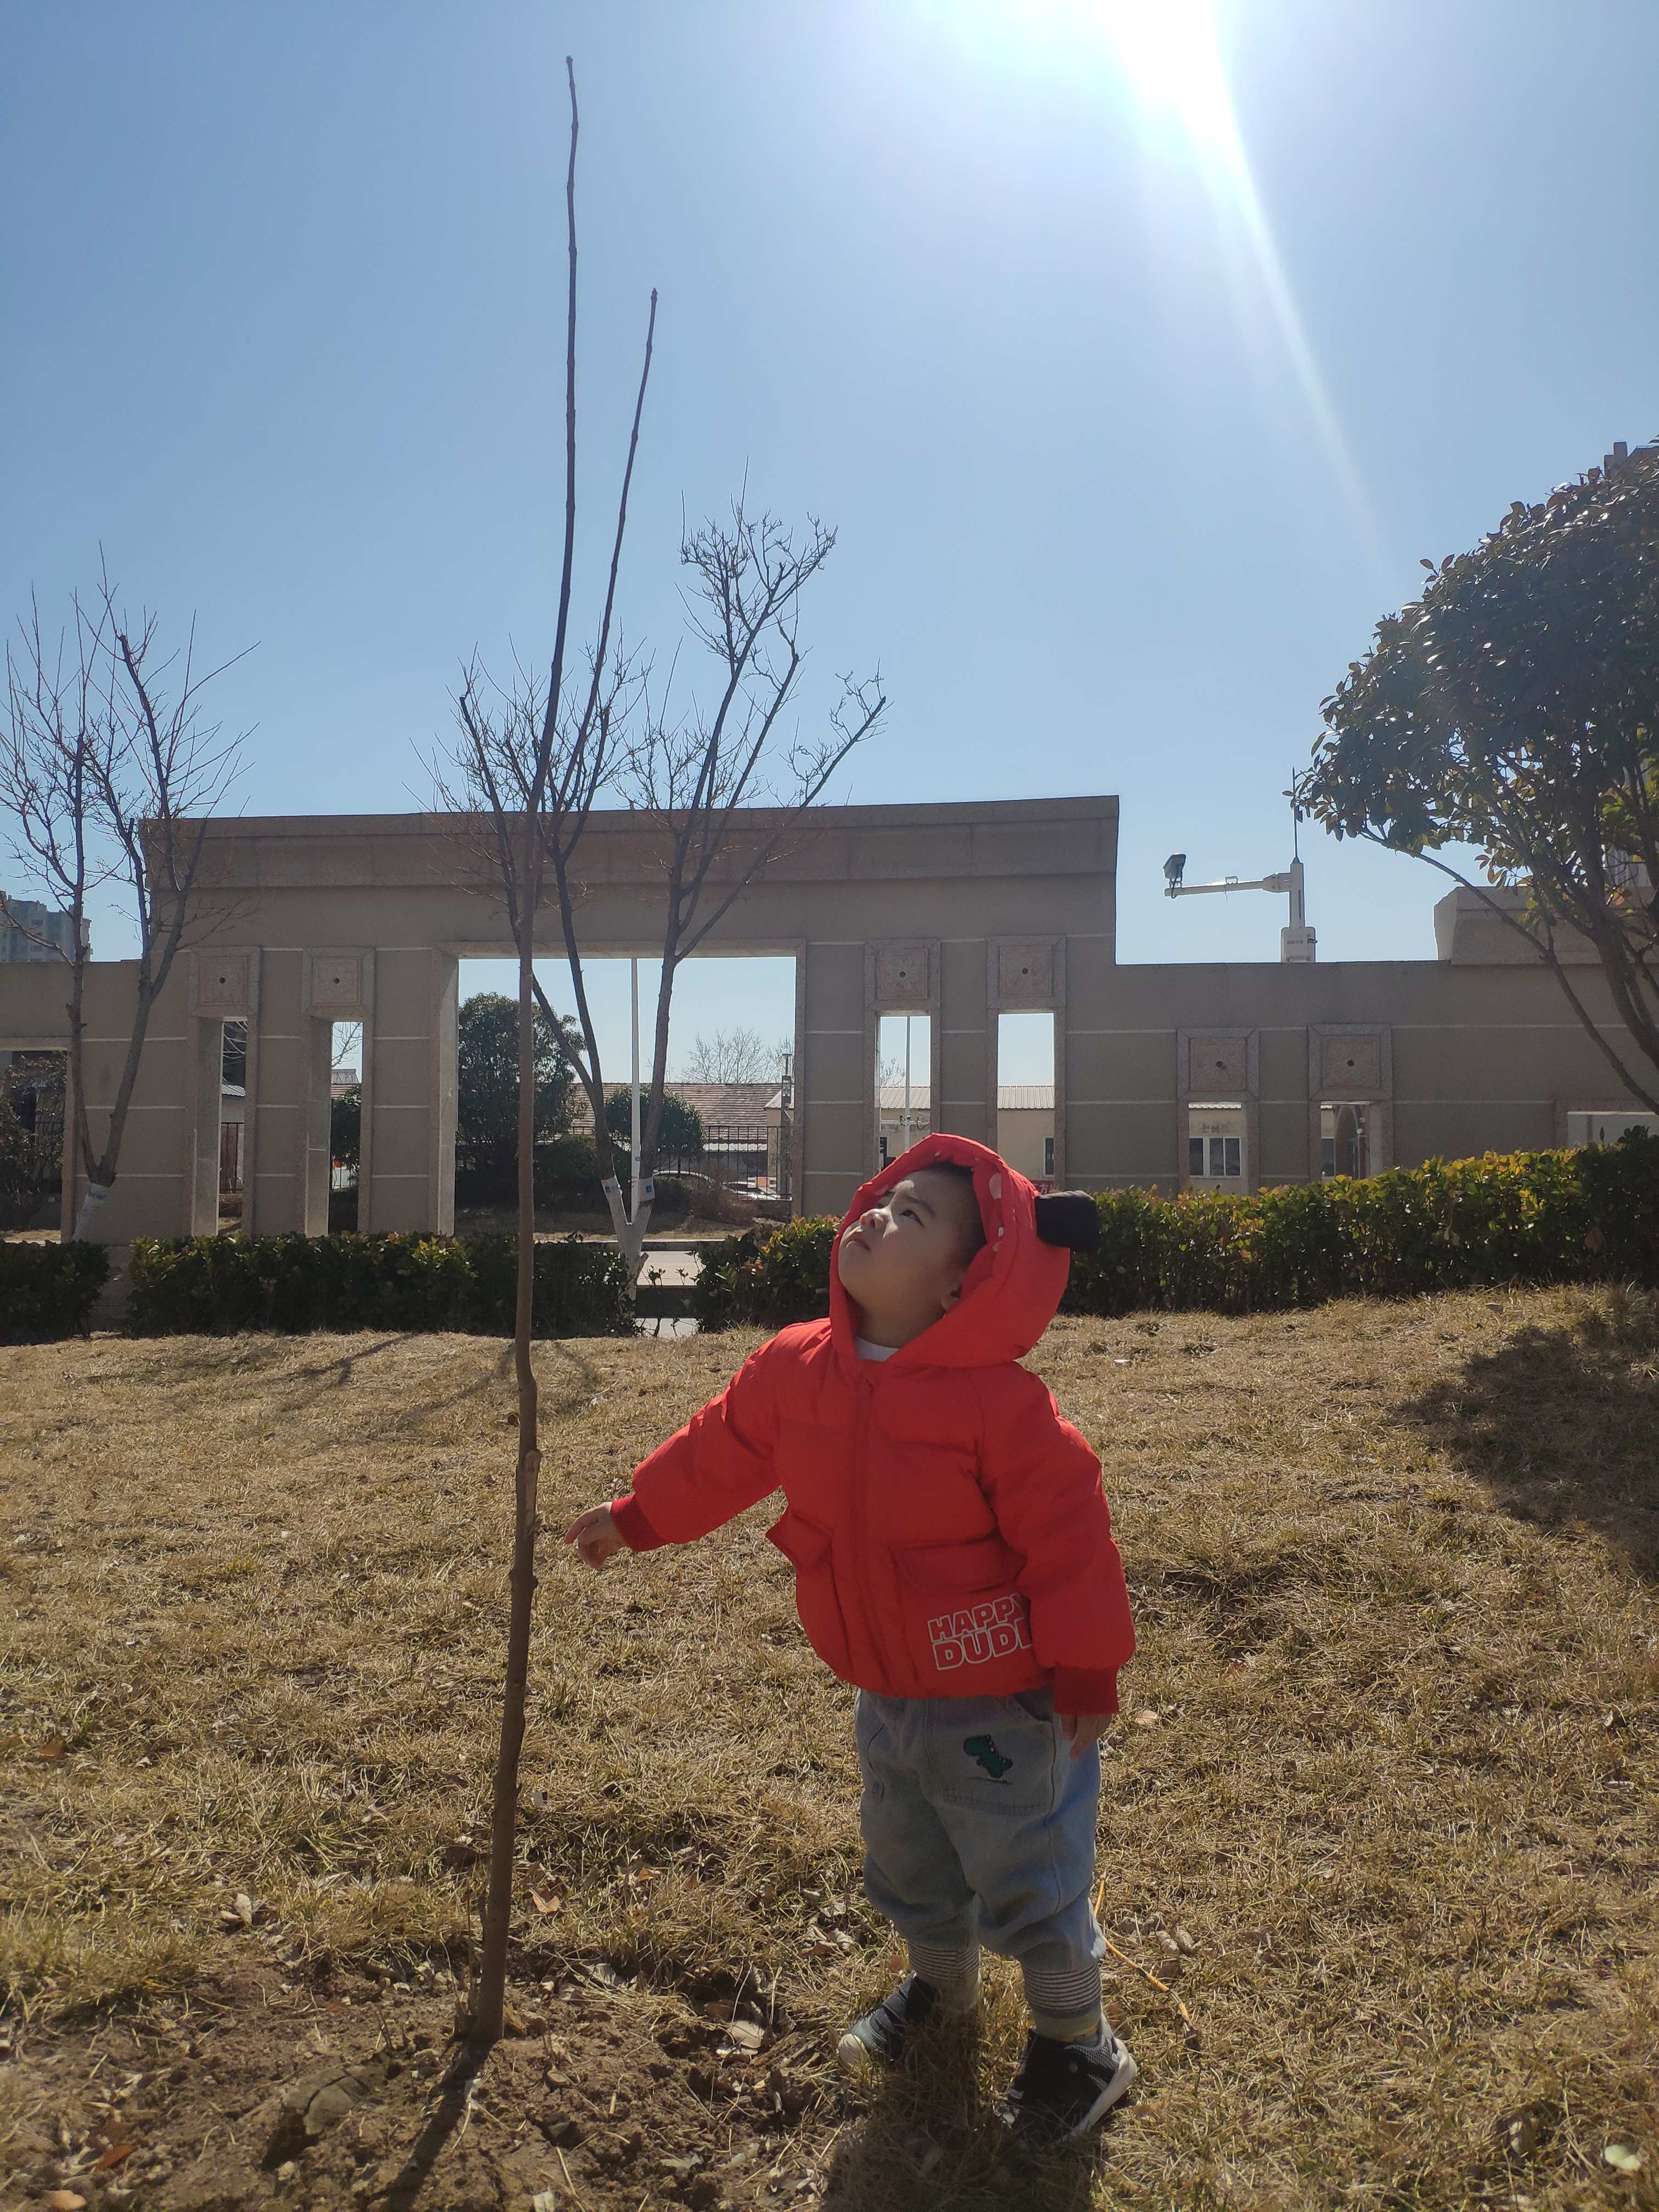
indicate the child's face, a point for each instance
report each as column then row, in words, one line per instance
column 903, row 1262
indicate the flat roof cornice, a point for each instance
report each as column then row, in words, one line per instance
column 1036, row 837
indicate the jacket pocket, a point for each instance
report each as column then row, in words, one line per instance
column 807, row 1548
column 967, row 1624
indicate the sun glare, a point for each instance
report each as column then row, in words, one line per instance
column 1168, row 53
column 1167, row 56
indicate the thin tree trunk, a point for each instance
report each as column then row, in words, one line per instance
column 491, row 2000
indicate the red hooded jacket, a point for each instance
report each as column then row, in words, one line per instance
column 947, row 1527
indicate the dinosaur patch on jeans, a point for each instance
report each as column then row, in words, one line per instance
column 995, row 1628
column 984, row 1753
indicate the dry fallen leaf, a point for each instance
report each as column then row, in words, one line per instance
column 746, row 2034
column 1522, row 2134
column 112, row 2156
column 1146, row 1717
column 1624, row 2157
column 544, row 1904
column 65, row 2200
column 245, row 1908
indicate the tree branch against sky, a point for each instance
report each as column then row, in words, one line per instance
column 109, row 777
column 694, row 773
column 1514, row 707
column 735, row 1056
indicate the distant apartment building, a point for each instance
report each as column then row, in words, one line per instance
column 29, row 931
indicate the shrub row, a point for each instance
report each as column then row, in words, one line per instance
column 48, row 1291
column 216, row 1285
column 1527, row 1217
column 769, row 1276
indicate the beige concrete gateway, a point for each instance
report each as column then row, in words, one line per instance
column 960, row 912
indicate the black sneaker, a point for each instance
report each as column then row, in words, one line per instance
column 1063, row 2089
column 882, row 2035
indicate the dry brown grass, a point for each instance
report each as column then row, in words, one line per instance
column 1395, row 1572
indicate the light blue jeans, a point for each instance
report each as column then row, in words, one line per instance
column 979, row 1828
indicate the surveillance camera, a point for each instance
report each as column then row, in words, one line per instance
column 1173, row 868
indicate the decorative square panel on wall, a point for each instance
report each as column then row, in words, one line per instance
column 338, row 984
column 1217, row 1063
column 221, row 983
column 1350, row 1067
column 1025, row 974
column 904, row 975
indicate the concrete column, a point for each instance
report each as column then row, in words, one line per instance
column 208, row 1039
column 443, row 1068
column 403, row 1092
column 834, row 1080
column 966, row 1055
column 278, row 1101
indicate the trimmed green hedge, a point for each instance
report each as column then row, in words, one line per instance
column 216, row 1285
column 769, row 1276
column 48, row 1291
column 1525, row 1217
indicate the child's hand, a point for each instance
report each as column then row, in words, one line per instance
column 1083, row 1729
column 595, row 1535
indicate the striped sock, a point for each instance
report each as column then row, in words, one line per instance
column 952, row 1972
column 1066, row 2006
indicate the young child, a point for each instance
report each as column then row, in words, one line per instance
column 953, row 1559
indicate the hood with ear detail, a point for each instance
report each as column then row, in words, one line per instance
column 1012, row 1290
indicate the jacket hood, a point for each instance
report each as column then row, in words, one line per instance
column 1010, row 1293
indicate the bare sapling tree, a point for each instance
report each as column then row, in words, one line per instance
column 109, row 776
column 530, row 761
column 702, row 779
column 726, row 787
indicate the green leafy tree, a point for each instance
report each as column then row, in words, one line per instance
column 31, row 1134
column 1513, row 707
column 345, row 1127
column 487, row 1106
column 679, row 1131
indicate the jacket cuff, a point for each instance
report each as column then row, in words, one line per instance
column 631, row 1525
column 1084, row 1690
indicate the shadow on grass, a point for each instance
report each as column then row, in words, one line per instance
column 1562, row 1425
column 926, row 2142
column 239, row 1361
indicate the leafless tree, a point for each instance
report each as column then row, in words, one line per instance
column 109, row 774
column 700, row 775
column 736, row 1055
column 530, row 759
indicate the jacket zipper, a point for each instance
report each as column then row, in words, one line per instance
column 861, row 1519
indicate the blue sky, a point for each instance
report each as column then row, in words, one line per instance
column 1133, row 419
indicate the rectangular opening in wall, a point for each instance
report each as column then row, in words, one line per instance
column 1216, row 1145
column 725, row 1153
column 1589, row 1126
column 1023, row 1125
column 32, row 1094
column 233, row 1126
column 345, row 1125
column 903, row 1092
column 1345, row 1140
